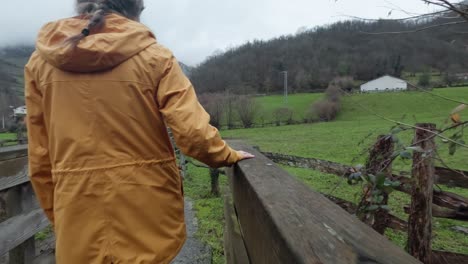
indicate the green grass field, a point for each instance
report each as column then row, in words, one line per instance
column 4, row 136
column 299, row 103
column 414, row 106
column 345, row 140
column 209, row 210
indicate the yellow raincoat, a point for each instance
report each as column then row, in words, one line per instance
column 100, row 158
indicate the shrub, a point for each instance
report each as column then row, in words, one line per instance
column 247, row 108
column 326, row 110
column 424, row 79
column 283, row 115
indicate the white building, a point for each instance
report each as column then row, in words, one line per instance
column 19, row 111
column 384, row 83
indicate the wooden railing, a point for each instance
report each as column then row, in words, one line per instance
column 274, row 218
column 20, row 216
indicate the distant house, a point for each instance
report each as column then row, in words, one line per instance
column 385, row 83
column 19, row 111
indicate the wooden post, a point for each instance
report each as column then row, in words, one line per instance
column 214, row 175
column 379, row 162
column 284, row 221
column 234, row 247
column 420, row 219
column 20, row 199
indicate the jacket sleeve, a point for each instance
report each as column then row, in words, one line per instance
column 188, row 120
column 38, row 152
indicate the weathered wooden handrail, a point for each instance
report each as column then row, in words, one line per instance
column 282, row 220
column 20, row 216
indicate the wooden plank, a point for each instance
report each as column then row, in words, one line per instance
column 284, row 221
column 450, row 200
column 12, row 180
column 441, row 212
column 441, row 198
column 12, row 152
column 20, row 228
column 46, row 258
column 234, row 247
column 12, row 167
column 392, row 221
column 25, row 253
column 420, row 216
column 455, row 178
column 441, row 257
column 20, row 200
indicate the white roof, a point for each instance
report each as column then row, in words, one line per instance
column 387, row 75
column 19, row 111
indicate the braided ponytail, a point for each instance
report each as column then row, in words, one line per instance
column 97, row 10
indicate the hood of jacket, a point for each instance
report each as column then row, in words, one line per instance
column 117, row 41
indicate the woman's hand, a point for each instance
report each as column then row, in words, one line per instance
column 245, row 155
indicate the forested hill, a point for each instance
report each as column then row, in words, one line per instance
column 314, row 57
column 12, row 61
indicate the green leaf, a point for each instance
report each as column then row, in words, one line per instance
column 372, row 207
column 388, row 189
column 372, row 178
column 379, row 199
column 397, row 130
column 380, row 180
column 452, row 148
column 406, row 155
column 416, row 149
column 385, row 207
column 396, row 184
column 395, row 139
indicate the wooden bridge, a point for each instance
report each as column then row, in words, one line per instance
column 271, row 218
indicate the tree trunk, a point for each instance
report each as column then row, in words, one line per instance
column 380, row 161
column 420, row 219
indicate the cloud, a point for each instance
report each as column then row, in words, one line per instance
column 196, row 29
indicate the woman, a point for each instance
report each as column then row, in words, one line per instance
column 100, row 92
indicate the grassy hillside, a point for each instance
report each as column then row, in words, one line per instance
column 416, row 106
column 344, row 139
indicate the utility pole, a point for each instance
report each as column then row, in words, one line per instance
column 285, row 86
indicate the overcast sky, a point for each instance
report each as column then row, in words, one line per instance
column 197, row 29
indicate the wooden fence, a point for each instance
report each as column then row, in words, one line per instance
column 20, row 216
column 274, row 218
column 426, row 201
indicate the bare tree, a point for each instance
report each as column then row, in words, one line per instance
column 247, row 108
column 214, row 105
column 283, row 115
column 451, row 14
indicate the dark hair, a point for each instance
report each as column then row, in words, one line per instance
column 97, row 10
